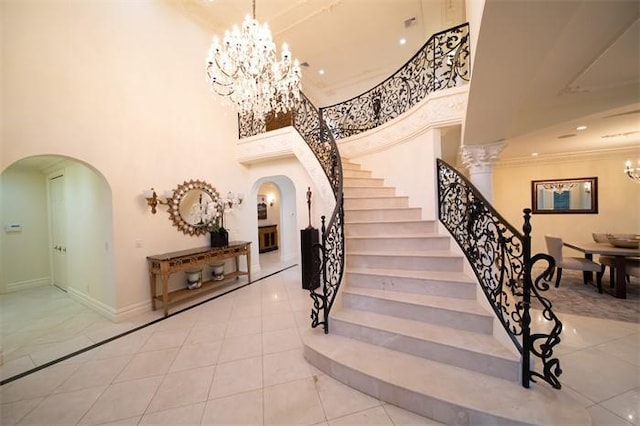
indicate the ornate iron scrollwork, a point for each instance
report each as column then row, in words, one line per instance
column 442, row 62
column 309, row 124
column 501, row 259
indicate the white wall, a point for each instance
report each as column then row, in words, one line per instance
column 121, row 86
column 409, row 166
column 23, row 201
column 89, row 234
column 618, row 197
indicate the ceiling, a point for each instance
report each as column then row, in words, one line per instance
column 541, row 69
column 549, row 67
column 356, row 42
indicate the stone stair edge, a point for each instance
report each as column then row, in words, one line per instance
column 449, row 276
column 469, row 306
column 483, row 344
column 546, row 407
column 408, row 253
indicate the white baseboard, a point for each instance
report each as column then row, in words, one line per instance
column 132, row 310
column 23, row 285
column 115, row 315
column 103, row 309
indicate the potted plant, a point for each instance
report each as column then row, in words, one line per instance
column 219, row 235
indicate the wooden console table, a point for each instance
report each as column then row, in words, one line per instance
column 163, row 265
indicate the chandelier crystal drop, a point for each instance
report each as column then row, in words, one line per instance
column 244, row 67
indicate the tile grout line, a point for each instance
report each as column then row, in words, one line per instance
column 133, row 330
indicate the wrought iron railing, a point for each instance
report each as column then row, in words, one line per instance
column 442, row 62
column 329, row 254
column 501, row 259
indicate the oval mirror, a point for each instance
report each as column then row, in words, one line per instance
column 193, row 207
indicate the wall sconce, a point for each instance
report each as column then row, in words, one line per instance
column 234, row 199
column 153, row 200
column 632, row 172
column 271, row 199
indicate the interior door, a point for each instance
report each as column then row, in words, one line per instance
column 58, row 230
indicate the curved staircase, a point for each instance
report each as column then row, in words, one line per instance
column 407, row 327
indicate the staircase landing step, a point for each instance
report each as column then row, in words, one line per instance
column 461, row 348
column 437, row 391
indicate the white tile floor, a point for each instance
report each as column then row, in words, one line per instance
column 238, row 360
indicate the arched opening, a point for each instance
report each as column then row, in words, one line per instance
column 276, row 222
column 55, row 256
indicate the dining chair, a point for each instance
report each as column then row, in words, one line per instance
column 603, row 259
column 554, row 247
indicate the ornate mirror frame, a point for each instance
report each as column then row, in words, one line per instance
column 565, row 196
column 198, row 199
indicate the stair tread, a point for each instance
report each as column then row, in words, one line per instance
column 401, row 253
column 345, row 196
column 470, row 390
column 368, row 209
column 449, row 303
column 453, row 276
column 387, row 236
column 454, row 337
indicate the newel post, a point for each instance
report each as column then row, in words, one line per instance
column 526, row 299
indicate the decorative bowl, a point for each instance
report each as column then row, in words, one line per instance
column 625, row 242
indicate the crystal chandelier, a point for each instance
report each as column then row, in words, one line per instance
column 245, row 69
column 632, row 172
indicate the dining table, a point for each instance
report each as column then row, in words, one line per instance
column 620, row 255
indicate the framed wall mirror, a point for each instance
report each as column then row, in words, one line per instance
column 194, row 205
column 558, row 196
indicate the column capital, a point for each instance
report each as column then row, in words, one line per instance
column 481, row 158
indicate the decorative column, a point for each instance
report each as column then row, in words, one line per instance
column 479, row 160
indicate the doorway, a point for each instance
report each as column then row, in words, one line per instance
column 276, row 222
column 57, row 230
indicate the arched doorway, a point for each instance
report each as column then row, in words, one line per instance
column 60, row 212
column 276, row 222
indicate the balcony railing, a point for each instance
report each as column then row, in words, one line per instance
column 442, row 62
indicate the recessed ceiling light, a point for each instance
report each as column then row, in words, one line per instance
column 581, row 128
column 321, row 72
column 534, row 154
column 403, row 41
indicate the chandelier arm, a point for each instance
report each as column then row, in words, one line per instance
column 231, row 76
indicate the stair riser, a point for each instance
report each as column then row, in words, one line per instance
column 383, row 191
column 410, row 263
column 373, row 229
column 351, row 182
column 375, row 202
column 378, row 244
column 350, row 166
column 383, row 214
column 413, row 285
column 351, row 173
column 457, row 357
column 428, row 314
column 424, row 405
